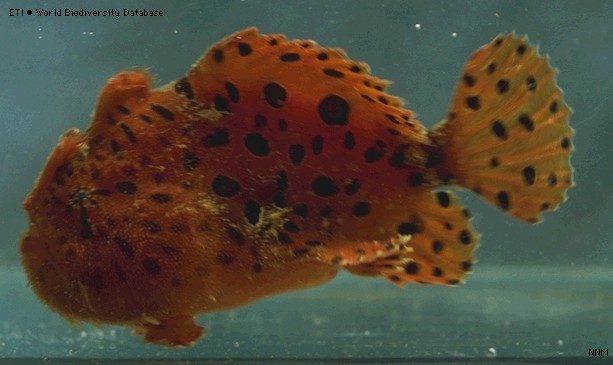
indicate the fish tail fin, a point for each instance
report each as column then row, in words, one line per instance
column 507, row 136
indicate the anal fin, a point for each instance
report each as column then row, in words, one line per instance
column 355, row 254
column 438, row 244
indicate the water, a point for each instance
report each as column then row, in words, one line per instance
column 542, row 312
column 539, row 292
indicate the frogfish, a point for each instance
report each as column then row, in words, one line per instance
column 272, row 165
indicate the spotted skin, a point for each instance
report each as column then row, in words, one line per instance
column 509, row 152
column 227, row 186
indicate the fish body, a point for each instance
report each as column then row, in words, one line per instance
column 270, row 166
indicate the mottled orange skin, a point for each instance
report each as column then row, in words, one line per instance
column 129, row 226
column 92, row 280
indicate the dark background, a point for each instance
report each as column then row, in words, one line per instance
column 52, row 69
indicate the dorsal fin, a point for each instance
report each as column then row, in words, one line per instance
column 268, row 72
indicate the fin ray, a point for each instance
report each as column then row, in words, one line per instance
column 296, row 64
column 440, row 247
column 507, row 135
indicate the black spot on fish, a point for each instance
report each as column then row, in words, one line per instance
column 252, row 211
column 296, row 154
column 324, row 186
column 232, row 92
column 244, row 49
column 185, row 88
column 334, row 73
column 161, row 198
column 503, row 200
column 219, row 138
column 224, row 258
column 437, row 246
column 469, row 80
column 284, row 238
column 282, row 125
column 503, row 86
column 408, row 228
column 147, row 119
column 529, row 174
column 123, row 109
column 281, row 180
column 235, row 235
column 225, row 186
column 257, row 144
column 499, row 130
column 86, row 228
column 291, row 227
column 349, row 140
column 352, row 186
column 218, row 55
column 416, row 179
column 334, row 110
column 190, row 161
column 411, row 268
column 553, row 107
column 531, row 83
column 443, row 199
column 221, row 104
column 128, row 132
column 126, row 187
column 317, row 145
column 163, row 112
column 491, row 68
column 289, row 57
column 301, row 210
column 125, row 246
column 260, row 122
column 115, row 146
column 464, row 237
column 275, row 95
column 526, row 122
column 361, row 209
column 473, row 102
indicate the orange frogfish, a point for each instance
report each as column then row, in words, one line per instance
column 272, row 165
